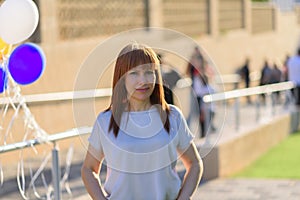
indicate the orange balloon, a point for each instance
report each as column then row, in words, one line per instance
column 5, row 49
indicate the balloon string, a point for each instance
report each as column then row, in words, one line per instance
column 16, row 112
column 8, row 130
column 49, row 192
column 29, row 121
column 36, row 194
column 4, row 108
column 64, row 180
column 40, row 170
column 27, row 132
column 21, row 183
column 32, row 129
column 3, row 56
column 37, row 174
column 3, row 111
column 44, row 181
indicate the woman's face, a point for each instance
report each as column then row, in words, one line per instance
column 140, row 82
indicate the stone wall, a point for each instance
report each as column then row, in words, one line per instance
column 231, row 156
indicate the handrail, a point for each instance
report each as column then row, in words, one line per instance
column 236, row 78
column 248, row 91
column 228, row 78
column 106, row 92
column 236, row 94
column 61, row 96
column 103, row 92
column 51, row 138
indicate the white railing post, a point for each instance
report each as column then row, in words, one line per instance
column 257, row 107
column 207, row 121
column 274, row 101
column 237, row 113
column 56, row 173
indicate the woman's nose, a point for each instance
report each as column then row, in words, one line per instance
column 142, row 78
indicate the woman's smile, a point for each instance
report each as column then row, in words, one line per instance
column 144, row 89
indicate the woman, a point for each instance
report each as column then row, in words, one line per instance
column 140, row 137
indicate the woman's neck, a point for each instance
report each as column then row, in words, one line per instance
column 139, row 106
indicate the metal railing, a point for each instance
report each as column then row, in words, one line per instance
column 53, row 138
column 238, row 93
column 50, row 139
column 61, row 96
column 55, row 152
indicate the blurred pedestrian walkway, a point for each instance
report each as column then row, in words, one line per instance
column 244, row 189
column 250, row 189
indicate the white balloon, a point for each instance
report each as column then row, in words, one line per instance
column 18, row 20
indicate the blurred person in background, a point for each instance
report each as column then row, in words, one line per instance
column 265, row 78
column 285, row 77
column 208, row 109
column 170, row 77
column 293, row 66
column 276, row 77
column 245, row 75
column 196, row 70
column 285, row 68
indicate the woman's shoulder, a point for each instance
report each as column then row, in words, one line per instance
column 104, row 115
column 174, row 110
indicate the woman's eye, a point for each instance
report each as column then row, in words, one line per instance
column 133, row 73
column 150, row 72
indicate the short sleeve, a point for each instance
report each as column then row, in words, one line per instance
column 185, row 136
column 95, row 140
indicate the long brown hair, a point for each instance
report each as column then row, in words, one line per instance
column 131, row 56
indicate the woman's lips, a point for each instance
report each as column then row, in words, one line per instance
column 142, row 89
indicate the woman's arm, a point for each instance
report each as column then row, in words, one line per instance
column 90, row 174
column 194, row 169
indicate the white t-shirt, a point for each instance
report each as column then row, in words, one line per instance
column 141, row 160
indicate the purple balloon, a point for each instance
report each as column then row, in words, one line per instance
column 3, row 80
column 26, row 63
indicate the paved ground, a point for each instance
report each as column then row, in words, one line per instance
column 249, row 189
column 244, row 189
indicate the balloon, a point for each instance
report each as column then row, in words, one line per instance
column 3, row 80
column 18, row 19
column 5, row 49
column 26, row 63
